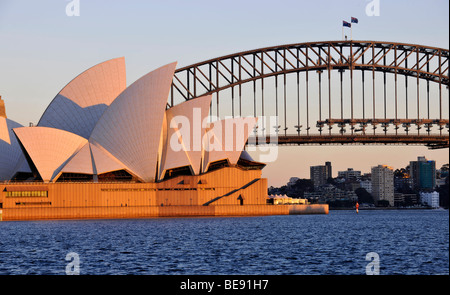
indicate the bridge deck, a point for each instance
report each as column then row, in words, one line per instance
column 432, row 141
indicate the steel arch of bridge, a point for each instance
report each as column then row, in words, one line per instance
column 423, row 63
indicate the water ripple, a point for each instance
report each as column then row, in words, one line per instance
column 407, row 242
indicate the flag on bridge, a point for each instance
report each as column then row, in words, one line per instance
column 354, row 20
column 346, row 24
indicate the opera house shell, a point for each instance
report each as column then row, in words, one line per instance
column 101, row 146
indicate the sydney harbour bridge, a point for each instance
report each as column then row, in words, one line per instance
column 332, row 92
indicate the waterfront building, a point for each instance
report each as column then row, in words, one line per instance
column 402, row 200
column 320, row 174
column 329, row 192
column 430, row 199
column 285, row 200
column 383, row 184
column 105, row 150
column 423, row 174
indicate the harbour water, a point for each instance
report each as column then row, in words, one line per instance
column 407, row 242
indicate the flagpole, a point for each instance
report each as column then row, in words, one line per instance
column 353, row 20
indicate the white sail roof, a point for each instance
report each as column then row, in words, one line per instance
column 81, row 162
column 130, row 129
column 81, row 103
column 226, row 139
column 185, row 125
column 103, row 161
column 93, row 127
column 11, row 156
column 49, row 148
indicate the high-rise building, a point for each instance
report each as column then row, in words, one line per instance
column 383, row 184
column 320, row 174
column 423, row 173
column 328, row 170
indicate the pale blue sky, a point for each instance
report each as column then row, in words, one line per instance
column 42, row 49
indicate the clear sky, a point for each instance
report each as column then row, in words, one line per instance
column 42, row 49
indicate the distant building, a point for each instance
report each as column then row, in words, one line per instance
column 400, row 183
column 329, row 192
column 401, row 200
column 383, row 184
column 430, row 199
column 350, row 174
column 320, row 174
column 423, row 174
column 366, row 176
column 366, row 184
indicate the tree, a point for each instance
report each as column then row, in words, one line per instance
column 299, row 188
column 277, row 190
column 401, row 173
column 444, row 194
column 364, row 196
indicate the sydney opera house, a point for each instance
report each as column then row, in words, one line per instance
column 105, row 150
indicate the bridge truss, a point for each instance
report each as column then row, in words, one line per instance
column 377, row 84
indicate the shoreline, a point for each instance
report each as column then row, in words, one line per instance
column 387, row 208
